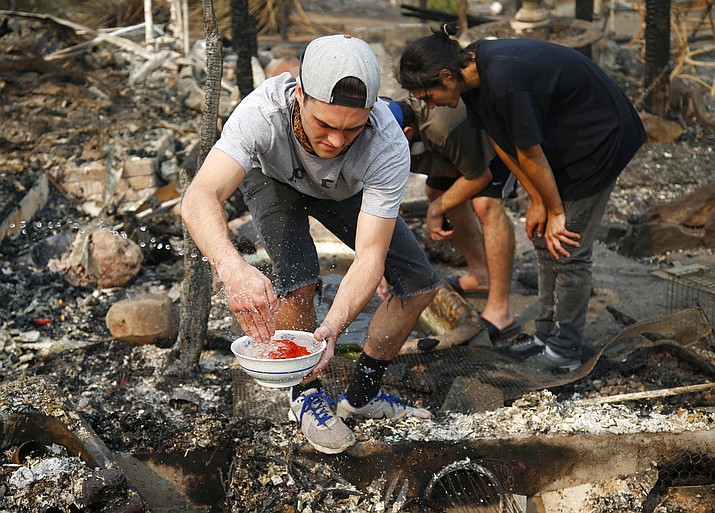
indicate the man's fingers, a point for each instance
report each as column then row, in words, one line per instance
column 322, row 364
column 570, row 242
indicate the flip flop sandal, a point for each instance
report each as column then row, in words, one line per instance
column 497, row 335
column 453, row 281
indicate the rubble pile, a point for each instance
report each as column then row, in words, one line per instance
column 109, row 135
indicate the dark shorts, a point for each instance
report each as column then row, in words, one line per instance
column 280, row 214
column 502, row 186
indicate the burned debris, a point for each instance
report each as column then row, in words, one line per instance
column 95, row 138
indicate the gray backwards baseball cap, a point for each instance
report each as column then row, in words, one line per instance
column 329, row 59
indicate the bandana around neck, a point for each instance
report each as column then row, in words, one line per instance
column 298, row 130
column 303, row 137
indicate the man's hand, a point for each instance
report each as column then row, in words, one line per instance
column 436, row 226
column 383, row 289
column 330, row 335
column 535, row 220
column 556, row 235
column 251, row 298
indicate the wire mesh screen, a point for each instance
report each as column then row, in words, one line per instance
column 682, row 472
column 692, row 285
column 472, row 486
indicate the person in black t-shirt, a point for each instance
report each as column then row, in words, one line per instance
column 566, row 130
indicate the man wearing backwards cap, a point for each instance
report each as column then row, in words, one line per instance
column 323, row 147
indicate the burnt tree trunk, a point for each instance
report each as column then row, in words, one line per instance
column 584, row 11
column 657, row 56
column 243, row 28
column 196, row 286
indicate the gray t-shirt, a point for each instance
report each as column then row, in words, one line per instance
column 259, row 134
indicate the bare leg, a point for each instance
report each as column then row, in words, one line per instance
column 499, row 241
column 297, row 311
column 392, row 323
column 468, row 238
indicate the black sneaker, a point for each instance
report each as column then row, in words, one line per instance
column 524, row 346
column 555, row 361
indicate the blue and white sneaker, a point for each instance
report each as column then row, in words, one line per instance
column 382, row 406
column 324, row 431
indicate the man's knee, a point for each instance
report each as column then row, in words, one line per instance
column 302, row 296
column 487, row 208
column 490, row 211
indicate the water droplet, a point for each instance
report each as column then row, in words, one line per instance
column 142, row 245
column 159, row 246
column 142, row 229
column 204, row 259
column 38, row 224
column 12, row 225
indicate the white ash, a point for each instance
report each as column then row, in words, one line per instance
column 45, row 482
column 539, row 413
column 625, row 493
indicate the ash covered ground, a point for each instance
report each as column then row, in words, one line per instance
column 56, row 331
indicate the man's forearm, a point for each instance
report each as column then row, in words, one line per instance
column 534, row 165
column 356, row 288
column 460, row 192
column 515, row 168
column 202, row 207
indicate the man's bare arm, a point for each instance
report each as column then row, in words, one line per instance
column 249, row 293
column 359, row 283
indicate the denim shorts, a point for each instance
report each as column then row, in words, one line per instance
column 280, row 214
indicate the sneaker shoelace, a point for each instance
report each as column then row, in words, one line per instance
column 393, row 401
column 523, row 340
column 317, row 404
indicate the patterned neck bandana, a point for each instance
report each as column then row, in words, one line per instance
column 298, row 130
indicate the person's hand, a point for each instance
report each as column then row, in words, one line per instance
column 557, row 235
column 436, row 226
column 535, row 220
column 330, row 335
column 383, row 289
column 251, row 298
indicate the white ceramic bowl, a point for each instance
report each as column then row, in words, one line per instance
column 278, row 373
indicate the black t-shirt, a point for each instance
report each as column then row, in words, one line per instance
column 535, row 92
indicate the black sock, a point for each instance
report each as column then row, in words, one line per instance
column 300, row 388
column 366, row 380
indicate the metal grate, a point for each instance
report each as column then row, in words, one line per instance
column 690, row 286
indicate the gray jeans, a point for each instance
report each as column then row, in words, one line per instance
column 565, row 284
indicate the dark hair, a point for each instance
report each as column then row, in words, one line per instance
column 349, row 87
column 409, row 117
column 424, row 58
